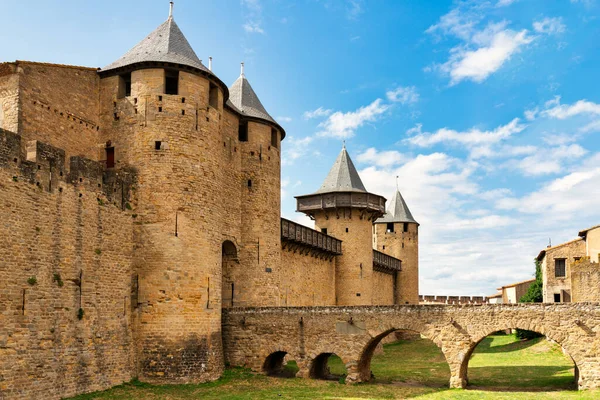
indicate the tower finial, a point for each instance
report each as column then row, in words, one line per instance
column 242, row 69
column 397, row 190
column 210, row 63
column 171, row 9
column 343, row 145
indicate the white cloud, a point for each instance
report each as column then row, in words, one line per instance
column 477, row 65
column 549, row 26
column 403, row 95
column 354, row 9
column 252, row 10
column 284, row 119
column 471, row 138
column 504, row 3
column 295, row 148
column 564, row 111
column 482, row 51
column 343, row 125
column 381, row 158
column 549, row 161
column 318, row 113
column 593, row 126
column 530, row 115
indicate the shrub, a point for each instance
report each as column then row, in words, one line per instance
column 32, row 280
column 80, row 314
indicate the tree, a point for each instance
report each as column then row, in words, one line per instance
column 533, row 295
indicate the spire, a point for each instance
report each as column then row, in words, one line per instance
column 171, row 9
column 245, row 100
column 165, row 44
column 397, row 210
column 343, row 176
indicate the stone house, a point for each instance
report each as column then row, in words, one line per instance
column 570, row 269
column 513, row 292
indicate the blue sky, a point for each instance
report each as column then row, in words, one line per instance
column 488, row 111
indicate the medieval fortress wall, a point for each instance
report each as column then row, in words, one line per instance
column 140, row 200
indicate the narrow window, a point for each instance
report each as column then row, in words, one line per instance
column 346, row 230
column 405, row 227
column 213, row 96
column 157, row 145
column 171, row 82
column 249, row 183
column 324, row 231
column 124, row 85
column 110, row 157
column 274, row 138
column 243, row 131
column 390, row 227
column 557, row 297
column 560, row 268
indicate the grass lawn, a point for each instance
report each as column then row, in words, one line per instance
column 505, row 367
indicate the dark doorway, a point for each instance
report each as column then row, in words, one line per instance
column 110, row 157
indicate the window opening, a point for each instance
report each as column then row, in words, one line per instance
column 124, row 85
column 110, row 157
column 560, row 268
column 346, row 230
column 557, row 297
column 405, row 227
column 213, row 96
column 243, row 132
column 157, row 145
column 274, row 138
column 390, row 227
column 171, row 82
column 324, row 230
column 249, row 183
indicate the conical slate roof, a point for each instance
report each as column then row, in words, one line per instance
column 166, row 44
column 245, row 100
column 342, row 177
column 397, row 211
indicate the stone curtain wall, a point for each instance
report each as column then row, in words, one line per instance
column 353, row 333
column 383, row 288
column 65, row 246
column 9, row 100
column 307, row 280
column 59, row 106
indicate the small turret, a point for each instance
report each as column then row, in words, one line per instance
column 397, row 234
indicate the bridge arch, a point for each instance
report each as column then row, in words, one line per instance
column 319, row 368
column 367, row 352
column 479, row 335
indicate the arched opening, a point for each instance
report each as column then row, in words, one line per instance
column 328, row 366
column 229, row 261
column 404, row 357
column 503, row 361
column 279, row 365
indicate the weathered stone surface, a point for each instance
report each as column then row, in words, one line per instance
column 250, row 335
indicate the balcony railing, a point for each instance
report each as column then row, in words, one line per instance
column 300, row 234
column 383, row 261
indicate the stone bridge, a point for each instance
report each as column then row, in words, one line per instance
column 260, row 338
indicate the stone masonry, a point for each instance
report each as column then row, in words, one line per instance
column 309, row 335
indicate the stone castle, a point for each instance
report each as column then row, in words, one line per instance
column 140, row 199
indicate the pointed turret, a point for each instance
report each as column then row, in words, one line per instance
column 343, row 176
column 397, row 211
column 245, row 101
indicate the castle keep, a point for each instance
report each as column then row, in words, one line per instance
column 140, row 199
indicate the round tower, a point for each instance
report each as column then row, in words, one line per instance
column 344, row 209
column 161, row 115
column 397, row 234
column 255, row 281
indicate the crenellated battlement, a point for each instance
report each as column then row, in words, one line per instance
column 44, row 166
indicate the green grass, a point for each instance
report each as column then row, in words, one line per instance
column 505, row 367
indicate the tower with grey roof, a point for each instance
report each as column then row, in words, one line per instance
column 344, row 209
column 207, row 158
column 397, row 234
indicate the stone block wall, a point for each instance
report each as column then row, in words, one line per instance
column 585, row 281
column 307, row 280
column 383, row 288
column 66, row 273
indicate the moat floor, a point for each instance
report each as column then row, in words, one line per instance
column 501, row 367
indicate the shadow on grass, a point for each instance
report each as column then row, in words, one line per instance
column 522, row 378
column 485, row 346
